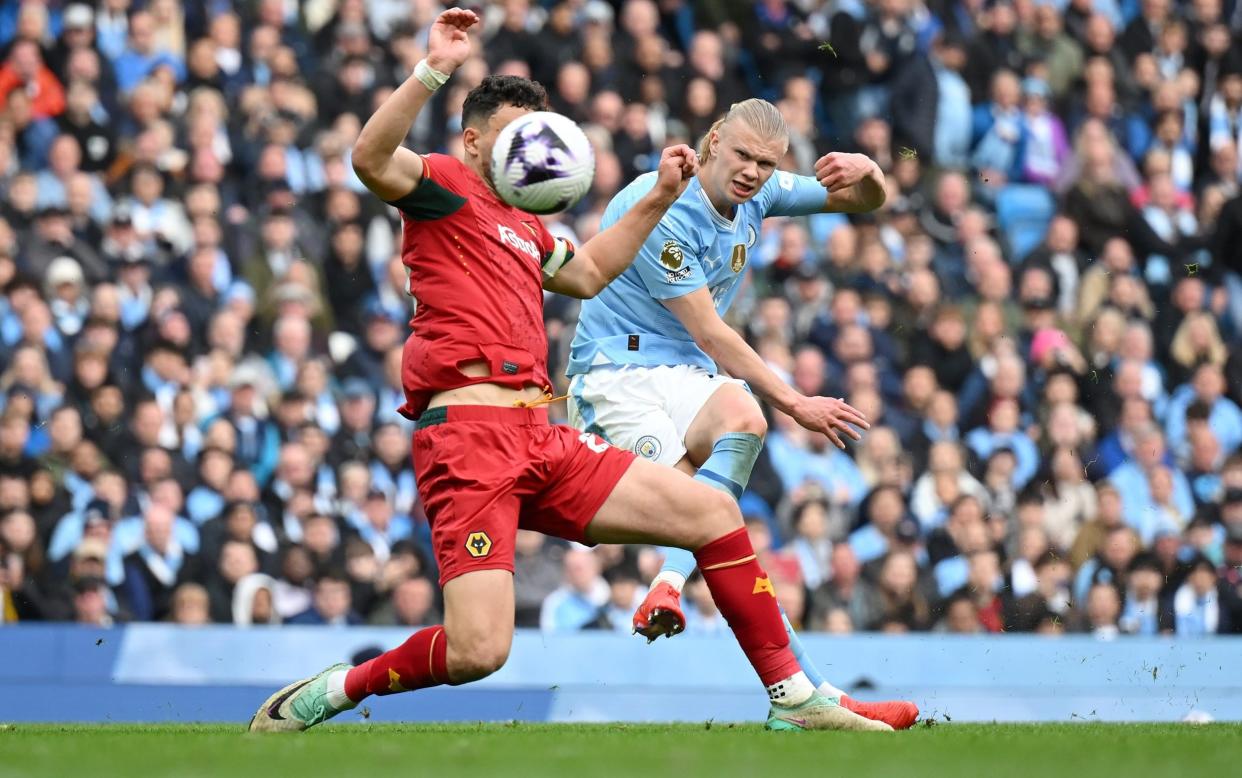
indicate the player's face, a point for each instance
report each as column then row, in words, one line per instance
column 743, row 161
column 478, row 141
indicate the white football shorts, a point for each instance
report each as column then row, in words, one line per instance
column 647, row 410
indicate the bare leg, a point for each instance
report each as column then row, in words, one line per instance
column 657, row 504
column 478, row 623
column 730, row 409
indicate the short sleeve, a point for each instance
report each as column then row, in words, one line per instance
column 786, row 194
column 445, row 170
column 543, row 237
column 440, row 193
column 669, row 260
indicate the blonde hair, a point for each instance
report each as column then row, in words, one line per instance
column 760, row 115
column 1183, row 350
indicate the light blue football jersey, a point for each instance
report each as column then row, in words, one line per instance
column 692, row 247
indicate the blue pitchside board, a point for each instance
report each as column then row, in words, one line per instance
column 162, row 673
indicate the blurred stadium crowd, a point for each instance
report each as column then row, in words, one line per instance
column 203, row 309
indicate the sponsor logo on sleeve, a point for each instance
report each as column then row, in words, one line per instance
column 786, row 180
column 672, row 255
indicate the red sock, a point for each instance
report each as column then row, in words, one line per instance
column 746, row 599
column 418, row 663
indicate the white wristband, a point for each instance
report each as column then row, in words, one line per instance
column 429, row 76
column 562, row 253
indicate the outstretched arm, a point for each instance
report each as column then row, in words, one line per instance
column 608, row 254
column 854, row 182
column 389, row 170
column 827, row 415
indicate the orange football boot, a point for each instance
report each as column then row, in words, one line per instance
column 898, row 714
column 660, row 613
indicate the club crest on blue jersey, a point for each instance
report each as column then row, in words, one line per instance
column 695, row 247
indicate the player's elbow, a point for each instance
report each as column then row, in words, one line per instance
column 368, row 160
column 876, row 193
column 877, row 197
column 595, row 284
column 589, row 280
column 365, row 164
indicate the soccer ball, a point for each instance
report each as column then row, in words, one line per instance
column 542, row 163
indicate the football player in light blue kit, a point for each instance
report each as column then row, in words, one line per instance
column 645, row 361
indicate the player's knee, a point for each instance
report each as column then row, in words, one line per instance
column 720, row 517
column 750, row 421
column 744, row 415
column 478, row 659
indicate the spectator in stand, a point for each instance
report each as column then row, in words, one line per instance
column 1000, row 133
column 197, row 288
column 931, row 104
column 143, row 54
column 1198, row 605
column 331, row 605
column 24, row 71
column 1046, row 153
column 582, row 593
column 190, row 606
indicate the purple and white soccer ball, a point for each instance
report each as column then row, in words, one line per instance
column 542, row 163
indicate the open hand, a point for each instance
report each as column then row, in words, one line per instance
column 828, row 415
column 448, row 46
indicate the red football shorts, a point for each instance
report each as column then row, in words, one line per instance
column 484, row 472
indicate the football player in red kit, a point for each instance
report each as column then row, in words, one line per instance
column 486, row 459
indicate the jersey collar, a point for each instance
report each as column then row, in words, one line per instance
column 717, row 219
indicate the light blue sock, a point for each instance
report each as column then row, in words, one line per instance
column 812, row 672
column 678, row 562
column 733, row 457
column 727, row 469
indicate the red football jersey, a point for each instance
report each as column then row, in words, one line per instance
column 475, row 266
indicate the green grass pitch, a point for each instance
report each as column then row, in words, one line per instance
column 1075, row 750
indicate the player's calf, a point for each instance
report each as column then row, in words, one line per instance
column 747, row 600
column 417, row 663
column 478, row 623
column 657, row 504
column 476, row 659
